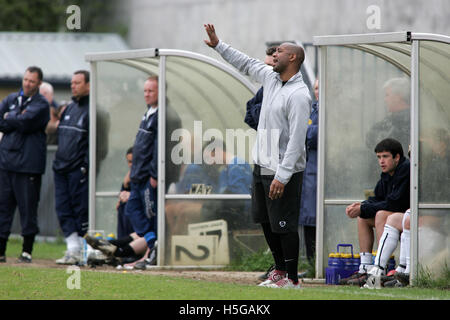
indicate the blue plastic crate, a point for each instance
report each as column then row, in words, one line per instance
column 334, row 274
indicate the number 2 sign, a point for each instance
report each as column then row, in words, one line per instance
column 205, row 244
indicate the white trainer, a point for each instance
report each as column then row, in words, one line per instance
column 285, row 283
column 374, row 279
column 70, row 258
column 274, row 277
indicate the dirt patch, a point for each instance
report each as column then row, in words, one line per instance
column 237, row 277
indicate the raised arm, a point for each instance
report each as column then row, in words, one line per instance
column 211, row 32
column 254, row 68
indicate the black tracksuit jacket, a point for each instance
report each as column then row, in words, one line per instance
column 391, row 192
column 73, row 137
column 23, row 148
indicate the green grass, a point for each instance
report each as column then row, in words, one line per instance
column 426, row 279
column 32, row 283
column 41, row 250
column 262, row 260
column 258, row 261
column 51, row 284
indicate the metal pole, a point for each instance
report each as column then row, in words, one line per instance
column 321, row 163
column 161, row 160
column 92, row 142
column 414, row 218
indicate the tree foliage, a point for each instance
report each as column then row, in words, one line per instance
column 51, row 16
column 27, row 15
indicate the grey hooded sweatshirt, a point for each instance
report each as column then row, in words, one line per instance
column 285, row 110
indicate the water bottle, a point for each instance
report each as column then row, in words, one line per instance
column 356, row 261
column 111, row 236
column 84, row 253
column 391, row 263
column 348, row 263
column 98, row 236
column 339, row 261
column 332, row 260
column 332, row 270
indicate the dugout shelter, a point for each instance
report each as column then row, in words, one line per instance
column 354, row 73
column 199, row 99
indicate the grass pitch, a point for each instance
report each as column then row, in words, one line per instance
column 32, row 283
column 38, row 283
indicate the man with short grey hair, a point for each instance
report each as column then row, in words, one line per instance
column 46, row 89
column 397, row 122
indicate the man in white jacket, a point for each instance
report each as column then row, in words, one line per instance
column 279, row 152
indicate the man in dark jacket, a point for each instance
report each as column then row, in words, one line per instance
column 255, row 103
column 309, row 189
column 391, row 195
column 141, row 208
column 124, row 227
column 23, row 118
column 70, row 168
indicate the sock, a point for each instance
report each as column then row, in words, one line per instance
column 274, row 242
column 290, row 245
column 400, row 268
column 366, row 261
column 28, row 242
column 3, row 242
column 386, row 246
column 405, row 245
column 124, row 251
column 121, row 241
column 402, row 259
column 150, row 238
column 82, row 242
column 73, row 242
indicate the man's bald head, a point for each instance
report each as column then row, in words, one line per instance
column 297, row 50
column 288, row 59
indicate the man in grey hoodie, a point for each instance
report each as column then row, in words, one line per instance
column 279, row 152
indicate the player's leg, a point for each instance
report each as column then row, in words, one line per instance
column 365, row 237
column 284, row 216
column 386, row 246
column 27, row 188
column 403, row 269
column 260, row 191
column 7, row 208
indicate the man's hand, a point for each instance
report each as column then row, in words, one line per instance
column 353, row 210
column 153, row 182
column 124, row 196
column 276, row 190
column 213, row 39
column 127, row 180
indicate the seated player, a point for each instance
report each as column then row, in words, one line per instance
column 391, row 196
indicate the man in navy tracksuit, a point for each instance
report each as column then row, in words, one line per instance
column 23, row 118
column 309, row 189
column 141, row 207
column 71, row 168
column 255, row 103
